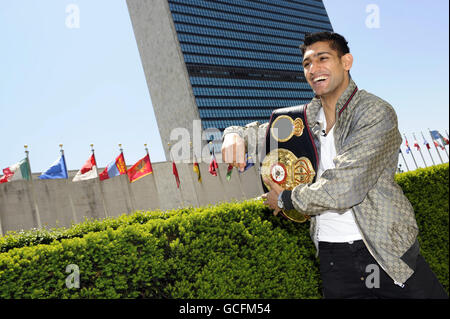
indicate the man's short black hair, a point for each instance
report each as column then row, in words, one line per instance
column 337, row 42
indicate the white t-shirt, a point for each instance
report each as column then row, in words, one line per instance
column 332, row 226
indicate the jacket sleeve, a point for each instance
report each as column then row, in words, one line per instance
column 252, row 133
column 370, row 147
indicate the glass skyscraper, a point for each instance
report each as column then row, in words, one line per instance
column 243, row 57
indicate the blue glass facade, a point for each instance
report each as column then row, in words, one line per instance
column 243, row 56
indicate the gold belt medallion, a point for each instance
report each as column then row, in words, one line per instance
column 288, row 171
column 284, row 127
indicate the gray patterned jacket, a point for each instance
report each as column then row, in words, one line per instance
column 367, row 145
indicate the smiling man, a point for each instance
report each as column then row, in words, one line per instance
column 361, row 223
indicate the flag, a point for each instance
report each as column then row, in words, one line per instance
column 142, row 168
column 248, row 162
column 114, row 168
column 196, row 169
column 436, row 136
column 437, row 144
column 408, row 149
column 175, row 173
column 426, row 144
column 416, row 145
column 213, row 165
column 445, row 140
column 57, row 170
column 18, row 171
column 229, row 171
column 88, row 171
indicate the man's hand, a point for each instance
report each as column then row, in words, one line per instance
column 271, row 198
column 233, row 151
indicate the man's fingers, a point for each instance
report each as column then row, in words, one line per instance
column 233, row 150
column 268, row 181
column 272, row 185
column 224, row 157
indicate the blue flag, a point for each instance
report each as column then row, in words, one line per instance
column 435, row 135
column 57, row 170
column 438, row 136
column 248, row 162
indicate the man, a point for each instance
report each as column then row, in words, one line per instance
column 361, row 222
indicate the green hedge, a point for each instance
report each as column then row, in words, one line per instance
column 428, row 191
column 232, row 250
column 235, row 250
column 17, row 239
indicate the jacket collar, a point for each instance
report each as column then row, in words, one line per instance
column 342, row 103
column 346, row 97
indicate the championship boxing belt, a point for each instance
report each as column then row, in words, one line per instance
column 290, row 153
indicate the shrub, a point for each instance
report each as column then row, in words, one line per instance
column 235, row 250
column 35, row 236
column 428, row 191
column 232, row 250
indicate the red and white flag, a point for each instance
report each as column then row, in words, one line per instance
column 88, row 171
column 213, row 165
column 416, row 145
column 437, row 144
column 18, row 171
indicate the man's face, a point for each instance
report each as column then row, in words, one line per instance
column 324, row 70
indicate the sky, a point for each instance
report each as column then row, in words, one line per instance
column 80, row 81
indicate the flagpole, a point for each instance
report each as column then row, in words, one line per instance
column 1, row 227
column 445, row 150
column 130, row 192
column 404, row 160
column 428, row 149
column 154, row 179
column 33, row 194
column 415, row 140
column 193, row 163
column 410, row 150
column 437, row 151
column 240, row 184
column 100, row 186
column 212, row 152
column 72, row 206
column 198, row 167
column 179, row 190
column 443, row 145
column 447, row 138
column 258, row 170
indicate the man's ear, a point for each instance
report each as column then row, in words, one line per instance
column 347, row 61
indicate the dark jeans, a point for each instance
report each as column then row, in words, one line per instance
column 350, row 271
